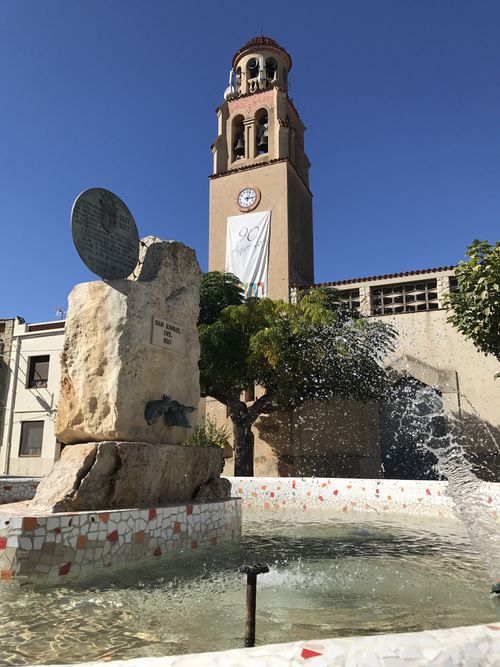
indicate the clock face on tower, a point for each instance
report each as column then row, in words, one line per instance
column 248, row 199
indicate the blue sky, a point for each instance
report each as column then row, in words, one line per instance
column 401, row 99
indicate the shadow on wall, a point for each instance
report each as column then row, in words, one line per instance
column 338, row 438
column 393, row 439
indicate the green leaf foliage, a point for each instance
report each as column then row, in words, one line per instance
column 314, row 349
column 218, row 290
column 476, row 303
column 208, row 434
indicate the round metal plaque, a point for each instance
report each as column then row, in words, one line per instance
column 105, row 234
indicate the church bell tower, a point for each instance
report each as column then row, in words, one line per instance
column 260, row 167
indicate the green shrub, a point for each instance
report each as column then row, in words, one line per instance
column 208, row 434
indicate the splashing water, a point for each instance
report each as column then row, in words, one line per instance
column 444, row 437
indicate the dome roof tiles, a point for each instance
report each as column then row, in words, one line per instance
column 262, row 42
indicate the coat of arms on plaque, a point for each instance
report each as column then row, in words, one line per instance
column 108, row 211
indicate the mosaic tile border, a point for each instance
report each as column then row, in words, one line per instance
column 15, row 489
column 39, row 545
column 473, row 646
column 406, row 497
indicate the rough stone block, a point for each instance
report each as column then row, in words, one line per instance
column 113, row 475
column 129, row 342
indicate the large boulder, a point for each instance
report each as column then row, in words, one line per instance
column 113, row 475
column 129, row 342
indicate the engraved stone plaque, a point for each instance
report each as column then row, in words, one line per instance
column 105, row 234
column 166, row 334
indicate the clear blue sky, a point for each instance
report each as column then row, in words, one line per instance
column 401, row 99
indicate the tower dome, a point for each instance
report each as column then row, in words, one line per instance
column 260, row 64
column 261, row 42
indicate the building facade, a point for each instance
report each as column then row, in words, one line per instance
column 33, row 370
column 260, row 148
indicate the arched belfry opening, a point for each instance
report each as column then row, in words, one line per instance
column 261, row 132
column 271, row 69
column 253, row 69
column 238, row 139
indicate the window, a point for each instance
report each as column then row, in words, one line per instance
column 38, row 373
column 350, row 298
column 405, row 298
column 31, row 439
column 454, row 285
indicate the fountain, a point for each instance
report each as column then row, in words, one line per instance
column 364, row 557
column 346, row 556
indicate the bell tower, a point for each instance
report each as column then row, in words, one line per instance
column 260, row 166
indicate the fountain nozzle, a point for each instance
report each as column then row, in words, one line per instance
column 251, row 571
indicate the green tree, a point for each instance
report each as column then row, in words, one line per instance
column 296, row 352
column 476, row 302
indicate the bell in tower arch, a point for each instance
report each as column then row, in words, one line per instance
column 263, row 135
column 239, row 146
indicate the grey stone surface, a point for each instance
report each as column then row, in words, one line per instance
column 129, row 342
column 105, row 233
column 113, row 475
column 217, row 488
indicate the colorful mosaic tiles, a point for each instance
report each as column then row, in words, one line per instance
column 410, row 497
column 35, row 544
column 473, row 646
column 14, row 489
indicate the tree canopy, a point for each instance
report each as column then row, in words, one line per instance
column 476, row 302
column 314, row 349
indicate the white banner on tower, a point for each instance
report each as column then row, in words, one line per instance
column 247, row 250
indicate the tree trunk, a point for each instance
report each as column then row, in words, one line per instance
column 243, row 417
column 243, row 448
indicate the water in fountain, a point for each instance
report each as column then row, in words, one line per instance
column 329, row 576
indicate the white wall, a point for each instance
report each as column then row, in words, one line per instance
column 35, row 404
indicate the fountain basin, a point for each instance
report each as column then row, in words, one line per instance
column 16, row 489
column 380, row 496
column 36, row 545
column 292, row 501
column 471, row 646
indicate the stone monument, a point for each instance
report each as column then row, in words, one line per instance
column 130, row 379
